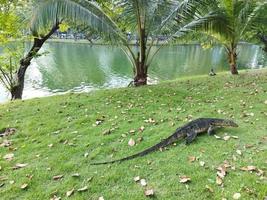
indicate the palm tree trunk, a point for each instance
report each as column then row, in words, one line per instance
column 263, row 39
column 140, row 63
column 140, row 74
column 17, row 90
column 232, row 59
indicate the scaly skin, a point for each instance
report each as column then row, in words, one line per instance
column 188, row 131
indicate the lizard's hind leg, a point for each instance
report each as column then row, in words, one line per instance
column 190, row 137
column 211, row 130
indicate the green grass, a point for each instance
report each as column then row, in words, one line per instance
column 72, row 118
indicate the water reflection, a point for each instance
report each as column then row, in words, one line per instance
column 81, row 67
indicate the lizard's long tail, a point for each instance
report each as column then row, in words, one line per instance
column 161, row 144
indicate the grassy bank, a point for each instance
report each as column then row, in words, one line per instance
column 61, row 135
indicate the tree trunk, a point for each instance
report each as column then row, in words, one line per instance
column 263, row 39
column 140, row 75
column 17, row 90
column 232, row 59
column 140, row 63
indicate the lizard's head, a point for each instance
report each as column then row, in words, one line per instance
column 224, row 122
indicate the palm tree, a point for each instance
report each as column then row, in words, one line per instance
column 147, row 18
column 234, row 18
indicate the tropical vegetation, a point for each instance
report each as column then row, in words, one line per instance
column 226, row 22
column 233, row 21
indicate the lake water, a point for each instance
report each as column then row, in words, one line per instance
column 82, row 68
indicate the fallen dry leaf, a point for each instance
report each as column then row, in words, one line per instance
column 217, row 137
column 142, row 128
column 3, row 178
column 202, row 163
column 9, row 156
column 227, row 137
column 209, row 188
column 222, row 171
column 131, row 142
column 75, row 175
column 191, row 158
column 143, row 182
column 221, row 174
column 137, row 178
column 8, row 131
column 236, row 196
column 29, row 176
column 24, row 186
column 98, row 122
column 83, row 189
column 149, row 192
column 6, row 143
column 248, row 168
column 184, row 179
column 238, row 152
column 19, row 166
column 235, row 137
column 57, row 177
column 55, row 198
column 132, row 131
column 69, row 193
column 219, row 181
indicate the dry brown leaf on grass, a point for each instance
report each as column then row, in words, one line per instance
column 83, row 189
column 217, row 137
column 143, row 182
column 191, row 158
column 221, row 171
column 132, row 131
column 9, row 156
column 226, row 138
column 131, row 142
column 219, row 180
column 55, row 198
column 185, row 179
column 239, row 152
column 137, row 178
column 236, row 196
column 202, row 163
column 19, row 166
column 70, row 192
column 75, row 175
column 58, row 177
column 24, row 186
column 209, row 188
column 142, row 128
column 249, row 168
column 6, row 143
column 235, row 137
column 149, row 192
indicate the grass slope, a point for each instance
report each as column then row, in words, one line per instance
column 68, row 122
